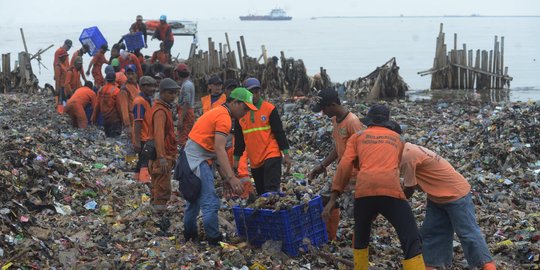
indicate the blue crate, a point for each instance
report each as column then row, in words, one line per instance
column 290, row 226
column 134, row 41
column 93, row 37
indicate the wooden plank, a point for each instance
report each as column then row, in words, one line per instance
column 481, row 71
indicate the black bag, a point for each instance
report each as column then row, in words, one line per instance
column 189, row 184
column 149, row 150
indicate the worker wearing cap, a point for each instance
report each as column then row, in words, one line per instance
column 107, row 105
column 60, row 75
column 62, row 50
column 449, row 209
column 80, row 53
column 215, row 96
column 260, row 133
column 164, row 33
column 139, row 26
column 73, row 77
column 376, row 151
column 345, row 124
column 208, row 140
column 142, row 107
column 162, row 131
column 82, row 97
column 127, row 94
column 121, row 78
column 127, row 58
column 160, row 56
column 96, row 64
column 186, row 103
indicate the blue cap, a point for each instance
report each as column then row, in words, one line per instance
column 109, row 70
column 131, row 68
column 251, row 83
column 163, row 18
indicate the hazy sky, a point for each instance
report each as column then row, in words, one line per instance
column 19, row 11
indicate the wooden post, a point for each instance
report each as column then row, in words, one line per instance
column 495, row 62
column 502, row 61
column 244, row 50
column 485, row 67
column 477, row 66
column 490, row 69
column 24, row 41
column 265, row 57
column 228, row 43
column 192, row 50
column 471, row 73
column 240, row 55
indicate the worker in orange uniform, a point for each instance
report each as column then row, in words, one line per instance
column 107, row 105
column 260, row 133
column 121, row 78
column 208, row 140
column 142, row 112
column 79, row 53
column 127, row 94
column 376, row 151
column 96, row 64
column 60, row 75
column 60, row 51
column 162, row 131
column 82, row 97
column 161, row 56
column 215, row 96
column 164, row 33
column 186, row 103
column 127, row 58
column 449, row 209
column 73, row 77
column 345, row 124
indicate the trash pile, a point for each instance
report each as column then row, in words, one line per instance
column 69, row 200
column 495, row 146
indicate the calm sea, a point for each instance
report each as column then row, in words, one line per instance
column 347, row 48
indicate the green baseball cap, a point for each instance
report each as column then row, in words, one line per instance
column 244, row 95
column 115, row 62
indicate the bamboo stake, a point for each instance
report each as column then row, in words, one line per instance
column 477, row 66
column 244, row 50
column 24, row 41
column 228, row 43
column 240, row 55
column 490, row 68
column 502, row 61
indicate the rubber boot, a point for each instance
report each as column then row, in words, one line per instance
column 489, row 266
column 361, row 259
column 414, row 263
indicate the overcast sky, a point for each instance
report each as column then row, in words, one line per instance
column 20, row 11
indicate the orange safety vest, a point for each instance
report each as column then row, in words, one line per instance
column 163, row 29
column 261, row 143
column 107, row 103
column 147, row 119
column 170, row 136
column 208, row 105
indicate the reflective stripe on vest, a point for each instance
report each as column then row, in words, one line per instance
column 256, row 129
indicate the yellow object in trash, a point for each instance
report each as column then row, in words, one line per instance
column 257, row 266
column 131, row 158
column 7, row 265
column 106, row 210
column 505, row 243
column 145, row 198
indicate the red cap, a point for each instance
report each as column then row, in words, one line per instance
column 182, row 67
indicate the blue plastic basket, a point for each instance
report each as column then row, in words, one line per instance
column 93, row 37
column 290, row 226
column 134, row 41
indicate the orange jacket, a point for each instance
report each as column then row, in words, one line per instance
column 162, row 130
column 60, row 74
column 377, row 152
column 72, row 81
column 207, row 105
column 142, row 111
column 82, row 97
column 258, row 137
column 98, row 60
column 165, row 32
column 161, row 56
column 131, row 59
column 107, row 104
column 126, row 96
column 57, row 53
column 121, row 78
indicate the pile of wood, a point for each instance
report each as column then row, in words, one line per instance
column 456, row 70
column 383, row 83
column 278, row 76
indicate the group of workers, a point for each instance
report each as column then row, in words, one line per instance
column 237, row 127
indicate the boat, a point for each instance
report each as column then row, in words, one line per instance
column 178, row 27
column 276, row 14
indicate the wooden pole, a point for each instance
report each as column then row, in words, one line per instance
column 228, row 43
column 495, row 61
column 265, row 57
column 477, row 66
column 24, row 41
column 240, row 55
column 244, row 50
column 502, row 61
column 490, row 69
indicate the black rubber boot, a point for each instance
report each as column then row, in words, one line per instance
column 215, row 241
column 193, row 237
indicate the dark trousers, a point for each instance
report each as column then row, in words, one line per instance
column 112, row 129
column 168, row 45
column 268, row 176
column 397, row 212
column 142, row 161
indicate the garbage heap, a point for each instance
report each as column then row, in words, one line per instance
column 383, row 83
column 495, row 146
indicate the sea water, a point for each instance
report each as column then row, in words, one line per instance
column 348, row 48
